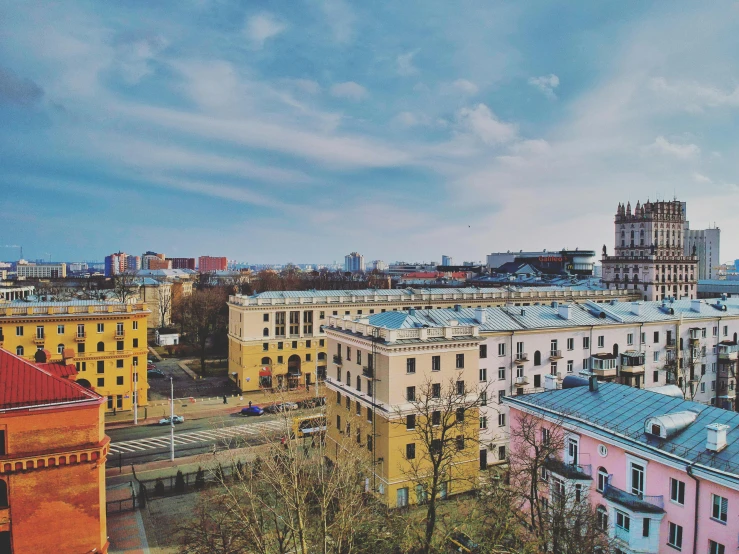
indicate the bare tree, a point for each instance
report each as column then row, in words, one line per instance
column 202, row 315
column 447, row 430
column 164, row 298
column 125, row 285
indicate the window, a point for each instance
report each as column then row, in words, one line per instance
column 135, row 325
column 101, row 327
column 100, row 366
column 519, row 371
column 483, row 351
column 630, row 339
column 501, row 395
column 715, row 331
column 410, row 394
column 348, row 403
column 60, row 329
column 537, row 381
column 19, row 351
column 359, row 355
column 435, row 363
column 501, row 452
column 501, row 373
column 135, row 343
column 726, row 330
column 719, row 507
column 484, row 398
column 295, row 344
column 101, row 346
column 19, row 331
column 410, row 364
column 338, row 398
column 369, row 414
column 637, row 479
column 349, row 356
column 265, row 332
column 677, row 491
column 280, row 324
column 436, row 417
column 410, row 422
column 602, row 518
column 656, row 337
column 81, row 348
column 601, row 341
column 675, row 536
column 435, row 446
column 80, row 330
column 101, row 381
column 410, row 451
column 602, row 479
column 460, row 415
column 655, row 356
column 501, row 349
column 119, row 364
column 265, row 317
column 553, row 368
column 585, row 363
column 483, row 422
column 460, row 387
column 623, row 520
column 265, row 346
column 570, row 366
column 369, row 443
column 570, row 344
column 715, row 548
column 586, row 342
column 281, row 346
column 459, row 442
column 119, row 345
column 483, row 374
column 119, row 380
column 460, row 361
column 501, row 420
column 645, row 527
column 573, row 450
column 436, row 390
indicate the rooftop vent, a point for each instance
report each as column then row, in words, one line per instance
column 695, row 305
column 457, row 307
column 593, row 383
column 565, row 311
column 481, row 315
column 555, row 305
column 667, row 425
column 412, row 311
column 636, row 308
column 523, row 312
column 716, row 440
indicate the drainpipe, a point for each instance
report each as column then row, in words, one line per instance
column 689, row 469
column 718, row 368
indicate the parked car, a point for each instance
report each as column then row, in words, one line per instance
column 177, row 419
column 460, row 542
column 150, row 366
column 281, row 407
column 155, row 374
column 312, row 402
column 251, row 411
column 150, row 362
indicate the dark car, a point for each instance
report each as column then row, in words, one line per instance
column 155, row 374
column 281, row 407
column 312, row 402
column 460, row 542
column 150, row 366
column 251, row 411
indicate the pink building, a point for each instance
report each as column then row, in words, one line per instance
column 662, row 472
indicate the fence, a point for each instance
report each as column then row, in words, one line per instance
column 122, row 505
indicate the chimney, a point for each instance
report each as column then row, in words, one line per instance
column 412, row 311
column 695, row 305
column 523, row 312
column 636, row 308
column 550, row 382
column 593, row 383
column 565, row 311
column 555, row 305
column 481, row 315
column 716, row 440
column 68, row 355
column 457, row 307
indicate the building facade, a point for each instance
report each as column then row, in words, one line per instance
column 661, row 473
column 182, row 263
column 379, row 386
column 706, row 244
column 446, row 260
column 26, row 270
column 354, row 262
column 52, row 461
column 120, row 262
column 573, row 262
column 649, row 252
column 206, row 264
column 275, row 334
column 108, row 341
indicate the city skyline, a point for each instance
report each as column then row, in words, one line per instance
column 307, row 133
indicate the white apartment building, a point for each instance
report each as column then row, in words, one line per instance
column 690, row 345
column 706, row 244
column 354, row 262
column 27, row 270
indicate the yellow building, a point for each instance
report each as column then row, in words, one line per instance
column 108, row 340
column 392, row 386
column 275, row 338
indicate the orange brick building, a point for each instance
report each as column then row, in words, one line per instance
column 53, row 449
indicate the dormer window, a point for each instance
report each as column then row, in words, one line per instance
column 656, row 430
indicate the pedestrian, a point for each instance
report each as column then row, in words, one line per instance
column 225, row 400
column 250, row 403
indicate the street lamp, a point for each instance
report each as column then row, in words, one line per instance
column 171, row 419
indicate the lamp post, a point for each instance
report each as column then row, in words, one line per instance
column 315, row 365
column 171, row 419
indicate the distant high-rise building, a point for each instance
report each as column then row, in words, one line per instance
column 446, row 260
column 120, row 262
column 182, row 263
column 152, row 260
column 133, row 263
column 706, row 243
column 649, row 254
column 354, row 262
column 40, row 270
column 379, row 265
column 207, row 264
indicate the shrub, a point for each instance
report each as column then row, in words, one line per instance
column 159, row 487
column 179, row 483
column 200, row 478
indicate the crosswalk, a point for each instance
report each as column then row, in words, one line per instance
column 195, row 437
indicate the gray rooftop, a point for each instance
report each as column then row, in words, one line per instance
column 622, row 411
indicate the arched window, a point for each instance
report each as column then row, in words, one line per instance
column 359, row 384
column 19, row 351
column 615, row 349
column 3, row 494
column 60, row 349
column 602, row 479
column 348, row 379
column 101, row 346
column 265, row 332
column 602, row 515
column 266, row 360
column 537, row 358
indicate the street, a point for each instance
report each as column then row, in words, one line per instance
column 184, row 385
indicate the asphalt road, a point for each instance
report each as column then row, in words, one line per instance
column 184, row 385
column 147, row 443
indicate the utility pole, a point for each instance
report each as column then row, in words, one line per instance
column 135, row 399
column 171, row 420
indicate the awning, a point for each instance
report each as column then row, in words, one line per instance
column 265, row 372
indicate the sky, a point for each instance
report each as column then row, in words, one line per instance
column 299, row 131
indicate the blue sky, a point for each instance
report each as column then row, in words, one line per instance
column 303, row 130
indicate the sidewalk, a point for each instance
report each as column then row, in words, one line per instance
column 199, row 408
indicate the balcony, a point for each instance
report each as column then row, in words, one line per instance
column 576, row 472
column 555, row 355
column 639, row 503
column 80, row 337
column 120, row 334
column 670, row 344
column 522, row 380
column 338, row 360
column 522, row 357
column 622, row 534
column 604, row 365
column 39, row 341
column 632, row 362
column 367, row 371
column 728, row 350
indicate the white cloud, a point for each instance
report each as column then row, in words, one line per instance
column 349, row 90
column 261, row 27
column 546, row 84
column 693, row 96
column 466, row 87
column 483, row 123
column 340, row 18
column 405, row 64
column 702, row 179
column 411, row 119
column 306, row 85
column 664, row 147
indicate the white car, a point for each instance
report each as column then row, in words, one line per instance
column 177, row 419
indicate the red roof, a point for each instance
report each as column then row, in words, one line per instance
column 65, row 371
column 23, row 383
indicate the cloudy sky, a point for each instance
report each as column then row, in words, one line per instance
column 302, row 130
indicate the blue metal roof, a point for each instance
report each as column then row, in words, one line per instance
column 623, row 410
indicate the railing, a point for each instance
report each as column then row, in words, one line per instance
column 522, row 380
column 522, row 357
column 337, row 359
column 80, row 337
column 39, row 340
column 622, row 534
column 367, row 372
column 120, row 334
column 635, row 502
column 555, row 354
column 670, row 343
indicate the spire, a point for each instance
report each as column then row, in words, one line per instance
column 628, row 208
